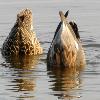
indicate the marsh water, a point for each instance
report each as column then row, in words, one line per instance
column 30, row 79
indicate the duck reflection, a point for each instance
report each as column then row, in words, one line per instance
column 23, row 80
column 65, row 81
column 23, row 84
column 22, row 70
column 22, row 62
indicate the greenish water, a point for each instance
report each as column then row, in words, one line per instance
column 35, row 81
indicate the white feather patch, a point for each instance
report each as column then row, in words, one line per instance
column 76, row 45
column 63, row 26
column 31, row 27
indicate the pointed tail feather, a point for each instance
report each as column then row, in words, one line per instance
column 62, row 17
column 66, row 14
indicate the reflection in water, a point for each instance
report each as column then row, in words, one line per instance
column 22, row 62
column 65, row 82
column 23, row 82
column 24, row 85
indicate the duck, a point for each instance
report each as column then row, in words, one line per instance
column 66, row 48
column 22, row 38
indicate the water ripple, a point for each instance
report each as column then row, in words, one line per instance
column 92, row 45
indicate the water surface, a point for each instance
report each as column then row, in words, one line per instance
column 35, row 81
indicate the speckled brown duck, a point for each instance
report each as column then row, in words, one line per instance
column 22, row 38
column 66, row 49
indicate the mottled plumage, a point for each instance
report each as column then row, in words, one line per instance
column 22, row 39
column 66, row 48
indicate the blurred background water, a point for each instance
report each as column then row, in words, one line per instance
column 37, row 82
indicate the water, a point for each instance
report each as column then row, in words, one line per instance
column 34, row 81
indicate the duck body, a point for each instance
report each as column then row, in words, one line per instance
column 22, row 39
column 66, row 48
